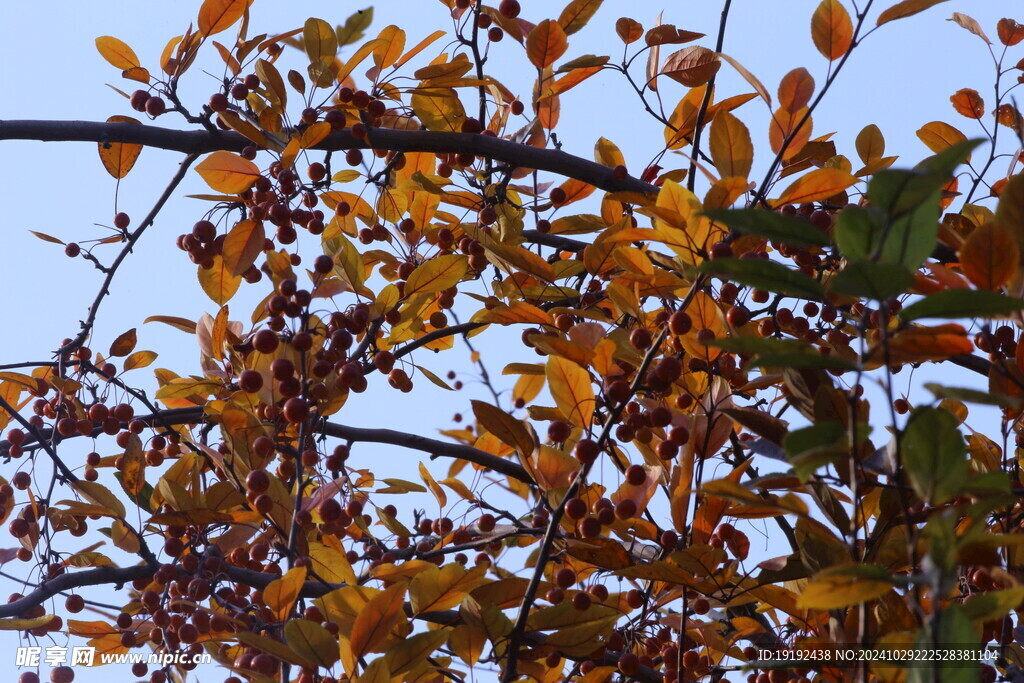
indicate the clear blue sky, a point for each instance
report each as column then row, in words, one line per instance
column 900, row 79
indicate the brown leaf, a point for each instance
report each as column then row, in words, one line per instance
column 628, row 30
column 1010, row 32
column 970, row 24
column 576, row 15
column 124, row 344
column 692, row 66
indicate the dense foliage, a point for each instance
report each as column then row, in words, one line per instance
column 699, row 320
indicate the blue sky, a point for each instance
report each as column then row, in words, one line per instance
column 900, row 79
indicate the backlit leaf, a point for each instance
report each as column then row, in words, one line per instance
column 817, row 185
column 281, row 594
column 376, row 619
column 969, row 103
column 576, row 15
column 219, row 15
column 730, row 146
column 119, row 157
column 571, row 388
column 846, row 585
column 628, row 30
column 244, row 242
column 796, row 89
column 311, row 641
column 319, row 39
column 870, row 144
column 970, row 24
column 939, row 136
column 905, row 8
column 437, row 274
column 989, row 256
column 117, row 53
column 692, row 66
column 831, row 29
column 218, row 282
column 546, row 43
column 124, row 344
column 228, row 173
column 438, row 109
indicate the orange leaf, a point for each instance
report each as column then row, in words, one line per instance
column 281, row 594
column 831, row 29
column 376, row 619
column 546, row 43
column 989, row 256
column 117, row 53
column 692, row 66
column 938, row 136
column 228, row 173
column 784, row 126
column 576, row 190
column 870, row 144
column 119, row 157
column 218, row 15
column 730, row 146
column 919, row 344
column 905, row 8
column 815, row 186
column 969, row 103
column 570, row 387
column 242, row 245
column 576, row 14
column 218, row 282
column 796, row 89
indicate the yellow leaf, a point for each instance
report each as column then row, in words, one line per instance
column 435, row 488
column 390, row 49
column 319, row 39
column 939, row 136
column 842, row 586
column 244, row 242
column 606, row 153
column 467, row 641
column 314, row 134
column 376, row 620
column 438, row 109
column 546, row 43
column 408, row 653
column 437, row 274
column 117, row 53
column 218, row 15
column 819, row 184
column 571, row 388
column 133, row 474
column 139, row 359
column 731, row 149
column 435, row 589
column 905, row 9
column 25, row 624
column 831, row 29
column 100, row 495
column 218, row 282
column 311, row 641
column 281, row 594
column 784, row 127
column 527, row 388
column 228, row 173
column 870, row 144
column 119, row 157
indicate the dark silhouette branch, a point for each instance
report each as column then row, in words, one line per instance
column 436, row 448
column 202, row 141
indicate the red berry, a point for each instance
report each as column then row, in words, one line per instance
column 509, row 8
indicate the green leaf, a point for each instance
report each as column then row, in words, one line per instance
column 812, row 447
column 354, row 28
column 972, row 396
column 756, row 345
column 962, row 303
column 871, row 280
column 934, row 454
column 858, row 231
column 814, row 361
column 771, row 226
column 954, row 629
column 766, row 275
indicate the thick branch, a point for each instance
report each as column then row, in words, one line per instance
column 416, row 442
column 202, row 141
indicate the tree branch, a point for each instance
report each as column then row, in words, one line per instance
column 201, row 142
column 416, row 442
